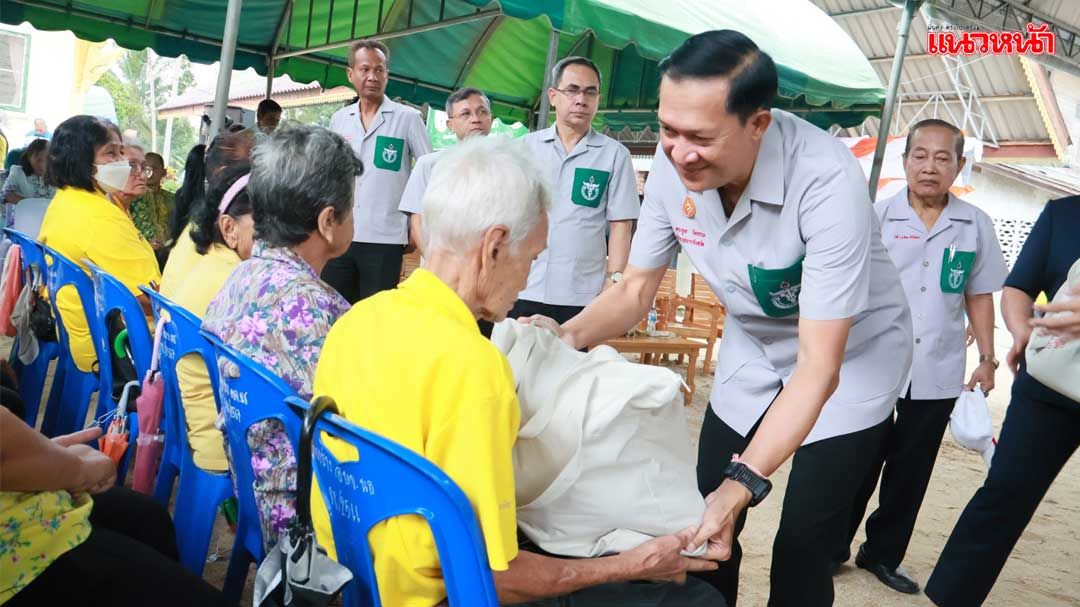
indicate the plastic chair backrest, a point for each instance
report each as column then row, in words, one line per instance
column 31, row 249
column 110, row 294
column 390, row 480
column 180, row 336
column 62, row 272
column 247, row 394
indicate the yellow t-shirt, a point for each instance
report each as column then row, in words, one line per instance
column 410, row 364
column 85, row 225
column 182, row 258
column 202, row 283
column 35, row 530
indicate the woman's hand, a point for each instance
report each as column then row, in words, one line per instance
column 1062, row 317
column 96, row 471
column 1016, row 352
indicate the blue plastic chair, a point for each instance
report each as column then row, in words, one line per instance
column 111, row 295
column 200, row 492
column 32, row 376
column 386, row 481
column 248, row 394
column 67, row 413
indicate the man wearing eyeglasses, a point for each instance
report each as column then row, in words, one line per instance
column 595, row 187
column 388, row 137
column 468, row 113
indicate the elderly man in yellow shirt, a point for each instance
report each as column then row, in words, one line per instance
column 426, row 378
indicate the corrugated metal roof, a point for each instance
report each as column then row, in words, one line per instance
column 245, row 85
column 1000, row 80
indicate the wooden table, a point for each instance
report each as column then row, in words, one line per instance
column 650, row 347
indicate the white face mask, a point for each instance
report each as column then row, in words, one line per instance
column 112, row 177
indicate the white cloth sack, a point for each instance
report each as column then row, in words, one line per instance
column 971, row 424
column 1055, row 361
column 603, row 461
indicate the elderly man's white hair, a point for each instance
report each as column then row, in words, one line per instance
column 479, row 183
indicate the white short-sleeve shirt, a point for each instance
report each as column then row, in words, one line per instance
column 592, row 185
column 412, row 199
column 802, row 241
column 959, row 256
column 396, row 138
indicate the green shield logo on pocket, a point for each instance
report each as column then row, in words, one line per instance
column 777, row 290
column 589, row 187
column 955, row 269
column 388, row 153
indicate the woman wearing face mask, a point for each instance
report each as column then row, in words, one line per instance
column 86, row 164
column 222, row 230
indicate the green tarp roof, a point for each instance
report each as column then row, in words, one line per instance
column 498, row 46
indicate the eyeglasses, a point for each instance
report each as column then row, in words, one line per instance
column 468, row 114
column 572, row 91
column 141, row 169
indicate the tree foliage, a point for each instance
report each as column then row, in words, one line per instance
column 141, row 76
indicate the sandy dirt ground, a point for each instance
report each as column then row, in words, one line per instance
column 1044, row 570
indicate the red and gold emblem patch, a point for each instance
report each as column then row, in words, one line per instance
column 688, row 207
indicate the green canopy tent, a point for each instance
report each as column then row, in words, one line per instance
column 500, row 46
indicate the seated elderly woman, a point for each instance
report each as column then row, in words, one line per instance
column 274, row 308
column 151, row 210
column 87, row 163
column 72, row 537
column 222, row 235
column 453, row 399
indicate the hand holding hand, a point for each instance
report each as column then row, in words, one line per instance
column 723, row 507
column 661, row 559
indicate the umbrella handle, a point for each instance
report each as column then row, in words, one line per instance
column 303, row 471
column 118, row 343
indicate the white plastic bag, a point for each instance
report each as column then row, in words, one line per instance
column 603, row 460
column 1055, row 361
column 971, row 424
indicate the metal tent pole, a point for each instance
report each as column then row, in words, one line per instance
column 545, row 105
column 910, row 6
column 225, row 67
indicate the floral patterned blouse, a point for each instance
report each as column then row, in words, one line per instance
column 151, row 214
column 275, row 310
column 35, row 530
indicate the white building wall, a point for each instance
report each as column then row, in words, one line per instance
column 49, row 83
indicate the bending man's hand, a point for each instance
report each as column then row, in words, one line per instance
column 661, row 559
column 723, row 508
column 549, row 324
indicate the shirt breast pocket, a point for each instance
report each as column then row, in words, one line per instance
column 777, row 290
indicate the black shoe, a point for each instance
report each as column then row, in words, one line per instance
column 896, row 579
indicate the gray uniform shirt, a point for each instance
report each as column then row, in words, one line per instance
column 412, row 199
column 397, row 136
column 802, row 241
column 959, row 256
column 593, row 184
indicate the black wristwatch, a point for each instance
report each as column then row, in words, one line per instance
column 757, row 486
